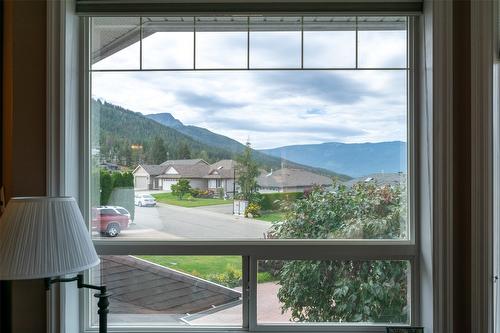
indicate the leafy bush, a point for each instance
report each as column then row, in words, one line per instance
column 322, row 291
column 274, row 201
column 181, row 188
column 252, row 209
column 230, row 278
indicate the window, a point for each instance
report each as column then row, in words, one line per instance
column 266, row 166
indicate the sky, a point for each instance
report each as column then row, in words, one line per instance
column 270, row 108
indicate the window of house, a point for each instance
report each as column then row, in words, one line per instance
column 263, row 169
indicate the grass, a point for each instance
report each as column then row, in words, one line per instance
column 205, row 267
column 271, row 216
column 201, row 266
column 170, row 199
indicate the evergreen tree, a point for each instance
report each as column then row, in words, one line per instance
column 184, row 151
column 157, row 152
column 247, row 171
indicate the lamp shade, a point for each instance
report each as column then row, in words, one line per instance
column 44, row 237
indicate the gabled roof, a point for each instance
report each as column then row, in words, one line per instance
column 140, row 287
column 288, row 177
column 185, row 162
column 380, row 179
column 224, row 164
column 153, row 170
column 187, row 171
column 222, row 169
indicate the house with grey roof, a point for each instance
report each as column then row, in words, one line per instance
column 291, row 180
column 201, row 175
column 139, row 287
column 381, row 179
column 222, row 175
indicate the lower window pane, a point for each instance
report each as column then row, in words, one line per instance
column 306, row 291
column 171, row 290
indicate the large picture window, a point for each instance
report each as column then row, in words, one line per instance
column 253, row 172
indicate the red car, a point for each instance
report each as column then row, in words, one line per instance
column 110, row 220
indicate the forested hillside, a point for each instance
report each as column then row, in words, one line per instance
column 128, row 138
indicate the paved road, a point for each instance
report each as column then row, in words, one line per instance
column 174, row 222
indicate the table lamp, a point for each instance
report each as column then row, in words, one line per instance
column 46, row 237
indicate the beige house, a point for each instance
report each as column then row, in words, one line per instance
column 201, row 175
column 290, row 180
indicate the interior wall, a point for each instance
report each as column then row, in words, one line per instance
column 23, row 133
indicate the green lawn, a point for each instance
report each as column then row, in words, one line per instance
column 271, row 216
column 206, row 267
column 170, row 199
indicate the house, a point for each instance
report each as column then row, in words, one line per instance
column 290, row 180
column 201, row 175
column 141, row 287
column 381, row 179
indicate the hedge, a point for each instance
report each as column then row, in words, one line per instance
column 272, row 201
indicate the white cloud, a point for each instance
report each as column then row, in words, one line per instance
column 272, row 108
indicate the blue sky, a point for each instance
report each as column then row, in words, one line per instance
column 271, row 108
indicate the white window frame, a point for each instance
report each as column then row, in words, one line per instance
column 251, row 251
column 435, row 155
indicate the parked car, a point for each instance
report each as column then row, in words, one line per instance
column 110, row 220
column 144, row 200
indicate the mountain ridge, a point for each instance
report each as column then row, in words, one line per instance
column 352, row 159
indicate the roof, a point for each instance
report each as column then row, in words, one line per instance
column 222, row 169
column 379, row 178
column 225, row 164
column 185, row 162
column 187, row 171
column 289, row 177
column 140, row 287
column 153, row 170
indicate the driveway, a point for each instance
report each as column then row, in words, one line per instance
column 174, row 222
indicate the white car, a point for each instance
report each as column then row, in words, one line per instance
column 144, row 200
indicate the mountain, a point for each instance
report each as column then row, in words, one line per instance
column 198, row 133
column 212, row 139
column 120, row 130
column 353, row 159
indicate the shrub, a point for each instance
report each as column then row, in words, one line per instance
column 230, row 278
column 326, row 290
column 181, row 188
column 274, row 201
column 252, row 209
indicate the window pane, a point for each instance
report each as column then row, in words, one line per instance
column 327, row 158
column 275, row 42
column 329, row 42
column 221, row 42
column 168, row 43
column 382, row 42
column 170, row 290
column 115, row 43
column 333, row 292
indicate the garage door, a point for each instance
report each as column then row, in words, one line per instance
column 167, row 183
column 141, row 182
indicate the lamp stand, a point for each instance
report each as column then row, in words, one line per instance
column 103, row 295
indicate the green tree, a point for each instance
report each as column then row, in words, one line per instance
column 106, row 184
column 347, row 291
column 247, row 172
column 122, row 193
column 181, row 188
column 204, row 155
column 184, row 152
column 157, row 151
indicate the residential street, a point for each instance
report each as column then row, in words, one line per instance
column 209, row 222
